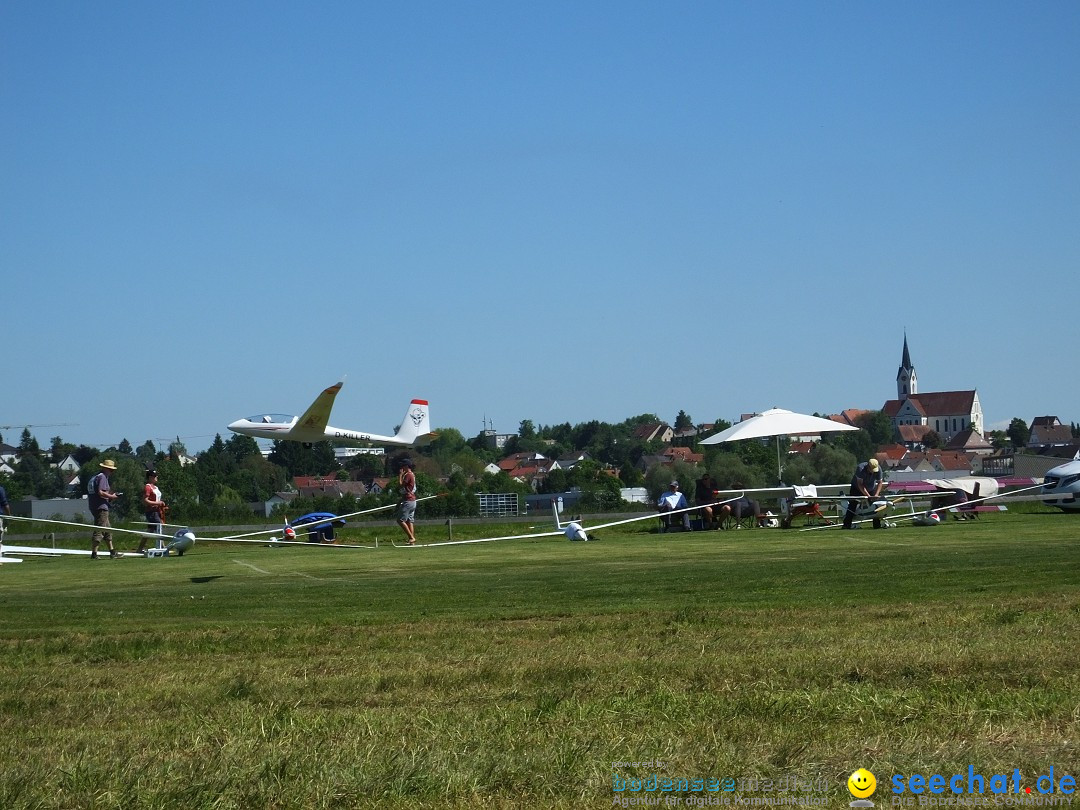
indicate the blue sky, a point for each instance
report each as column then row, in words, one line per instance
column 548, row 211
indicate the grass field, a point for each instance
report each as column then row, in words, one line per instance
column 542, row 673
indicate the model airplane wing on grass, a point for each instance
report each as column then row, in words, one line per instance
column 184, row 539
column 572, row 530
column 313, row 425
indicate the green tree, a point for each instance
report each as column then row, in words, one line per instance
column 227, row 497
column 59, row 449
column 448, row 442
column 301, row 459
column 878, row 426
column 262, row 479
column 730, row 471
column 556, row 481
column 560, row 434
column 179, row 489
column 824, row 464
column 33, row 477
column 146, row 454
column 683, row 422
column 13, row 487
column 28, row 445
column 241, row 447
column 366, row 465
column 599, row 489
column 84, row 454
column 858, row 443
column 631, row 476
column 1018, row 432
column 932, row 439
column 659, row 476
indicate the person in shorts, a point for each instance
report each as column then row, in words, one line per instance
column 100, row 496
column 154, row 509
column 407, row 506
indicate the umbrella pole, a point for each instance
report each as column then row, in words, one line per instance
column 779, row 469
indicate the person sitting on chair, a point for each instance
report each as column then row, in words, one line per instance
column 741, row 508
column 671, row 500
column 705, row 497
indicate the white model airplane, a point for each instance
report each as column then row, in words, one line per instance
column 931, row 516
column 311, row 427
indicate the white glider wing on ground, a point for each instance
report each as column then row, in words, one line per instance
column 572, row 530
column 313, row 425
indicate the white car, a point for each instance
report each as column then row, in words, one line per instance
column 1061, row 487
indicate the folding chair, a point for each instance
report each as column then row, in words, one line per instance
column 803, row 503
column 742, row 517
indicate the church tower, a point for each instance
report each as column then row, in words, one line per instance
column 907, row 383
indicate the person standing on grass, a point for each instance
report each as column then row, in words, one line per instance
column 407, row 506
column 100, row 498
column 154, row 508
column 866, row 483
column 5, row 509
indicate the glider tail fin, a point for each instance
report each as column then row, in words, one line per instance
column 555, row 511
column 415, row 428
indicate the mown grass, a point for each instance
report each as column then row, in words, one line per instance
column 522, row 674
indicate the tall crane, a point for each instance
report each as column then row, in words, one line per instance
column 58, row 424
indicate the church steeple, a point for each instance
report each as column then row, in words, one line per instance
column 907, row 383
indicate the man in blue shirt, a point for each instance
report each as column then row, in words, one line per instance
column 866, row 483
column 100, row 495
column 671, row 500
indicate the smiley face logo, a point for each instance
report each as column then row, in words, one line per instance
column 862, row 784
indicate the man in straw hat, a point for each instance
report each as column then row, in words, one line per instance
column 100, row 497
column 866, row 483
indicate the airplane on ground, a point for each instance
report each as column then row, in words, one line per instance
column 931, row 516
column 311, row 426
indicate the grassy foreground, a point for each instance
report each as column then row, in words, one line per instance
column 541, row 673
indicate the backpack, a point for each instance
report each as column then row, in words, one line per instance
column 91, row 485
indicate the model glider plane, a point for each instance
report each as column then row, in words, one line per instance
column 930, row 516
column 312, row 426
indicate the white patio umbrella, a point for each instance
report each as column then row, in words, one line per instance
column 777, row 422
